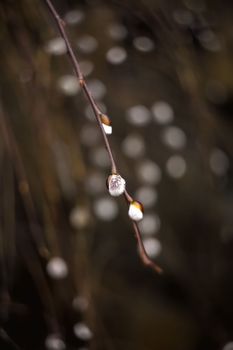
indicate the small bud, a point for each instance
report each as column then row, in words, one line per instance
column 116, row 185
column 106, row 123
column 136, row 211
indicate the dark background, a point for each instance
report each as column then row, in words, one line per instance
column 48, row 156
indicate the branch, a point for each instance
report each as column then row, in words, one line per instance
column 99, row 117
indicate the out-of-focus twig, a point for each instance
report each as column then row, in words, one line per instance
column 23, row 184
column 24, row 189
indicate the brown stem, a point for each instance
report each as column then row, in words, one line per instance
column 61, row 24
column 128, row 198
column 142, row 251
column 143, row 254
column 78, row 72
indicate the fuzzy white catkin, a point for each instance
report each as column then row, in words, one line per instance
column 107, row 129
column 116, row 185
column 135, row 213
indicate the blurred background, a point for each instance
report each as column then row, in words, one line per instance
column 70, row 273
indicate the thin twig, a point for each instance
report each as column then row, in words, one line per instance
column 61, row 25
column 81, row 79
column 146, row 260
